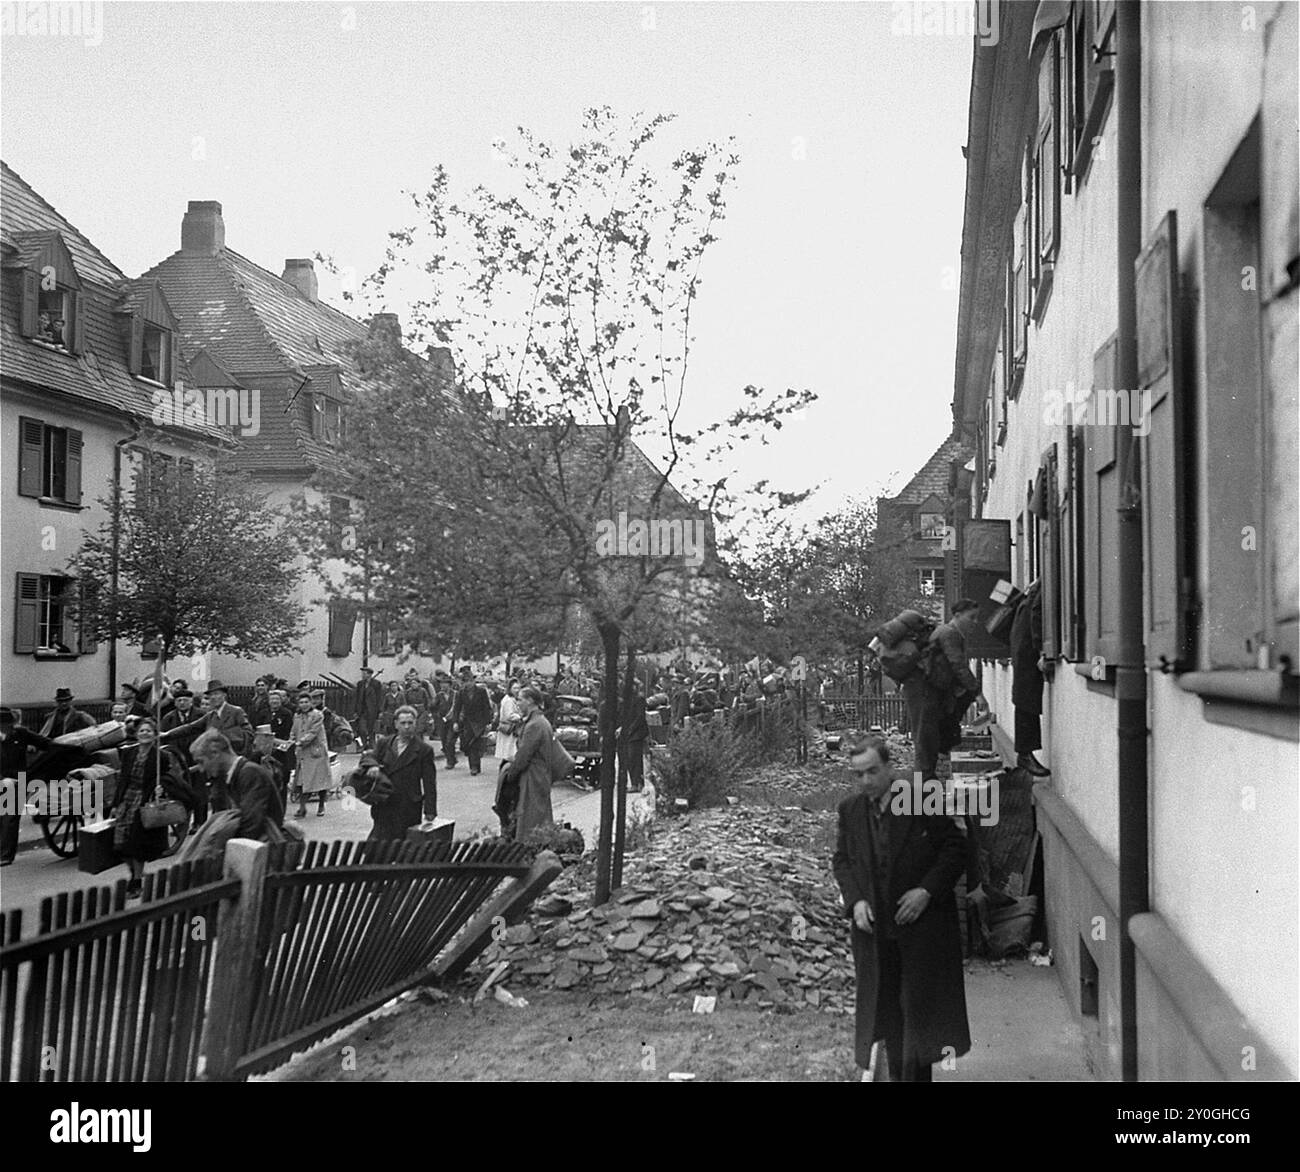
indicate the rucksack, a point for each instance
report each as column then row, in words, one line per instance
column 903, row 643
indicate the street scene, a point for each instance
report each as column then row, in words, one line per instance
column 651, row 543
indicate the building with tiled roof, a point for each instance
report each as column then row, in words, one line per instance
column 246, row 327
column 86, row 357
column 919, row 516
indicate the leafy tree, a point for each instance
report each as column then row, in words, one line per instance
column 194, row 559
column 566, row 297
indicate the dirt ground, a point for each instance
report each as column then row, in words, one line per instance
column 567, row 1037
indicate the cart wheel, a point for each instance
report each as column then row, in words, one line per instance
column 63, row 834
column 177, row 833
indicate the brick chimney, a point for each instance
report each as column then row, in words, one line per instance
column 301, row 274
column 386, row 328
column 203, row 231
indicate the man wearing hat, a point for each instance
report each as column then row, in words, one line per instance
column 65, row 718
column 471, row 715
column 15, row 742
column 129, row 694
column 259, row 709
column 368, row 701
column 219, row 716
column 896, row 866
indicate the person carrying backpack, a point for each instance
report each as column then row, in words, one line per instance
column 939, row 693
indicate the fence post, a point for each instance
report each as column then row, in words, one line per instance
column 231, row 1007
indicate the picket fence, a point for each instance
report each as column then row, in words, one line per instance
column 220, row 972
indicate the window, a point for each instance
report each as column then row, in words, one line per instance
column 1089, row 80
column 381, row 636
column 49, row 462
column 932, row 524
column 340, row 511
column 1017, row 304
column 930, row 582
column 155, row 354
column 56, row 316
column 46, row 617
column 1045, row 181
column 327, row 419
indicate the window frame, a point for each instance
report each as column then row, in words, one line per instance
column 38, row 462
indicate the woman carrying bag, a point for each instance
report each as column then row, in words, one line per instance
column 144, row 804
column 309, row 738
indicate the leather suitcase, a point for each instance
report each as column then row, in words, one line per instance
column 95, row 847
column 442, row 830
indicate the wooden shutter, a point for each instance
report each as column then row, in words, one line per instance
column 1164, row 517
column 31, row 300
column 77, row 340
column 175, row 373
column 342, row 620
column 31, row 457
column 87, row 600
column 1101, row 503
column 72, row 493
column 26, row 606
column 1068, row 545
column 135, row 349
column 1050, row 558
column 1049, row 169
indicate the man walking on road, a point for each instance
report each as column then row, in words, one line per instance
column 399, row 780
column 472, row 715
column 896, row 868
column 368, row 700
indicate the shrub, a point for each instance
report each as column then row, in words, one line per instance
column 701, row 764
column 771, row 738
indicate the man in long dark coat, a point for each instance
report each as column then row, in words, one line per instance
column 896, row 866
column 471, row 715
column 1027, row 679
column 410, row 795
column 367, row 702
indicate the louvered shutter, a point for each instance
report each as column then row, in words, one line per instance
column 26, row 604
column 78, row 337
column 88, row 596
column 1068, row 544
column 173, row 375
column 1101, row 505
column 1050, row 559
column 136, row 347
column 31, row 294
column 1159, row 346
column 31, row 435
column 72, row 494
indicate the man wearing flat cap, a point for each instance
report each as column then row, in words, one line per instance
column 897, row 867
column 220, row 716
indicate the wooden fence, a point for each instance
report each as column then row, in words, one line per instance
column 222, row 973
column 104, row 993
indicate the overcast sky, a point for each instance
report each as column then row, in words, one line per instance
column 836, row 266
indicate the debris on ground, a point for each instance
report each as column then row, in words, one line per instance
column 736, row 903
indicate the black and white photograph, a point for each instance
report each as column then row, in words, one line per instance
column 650, row 542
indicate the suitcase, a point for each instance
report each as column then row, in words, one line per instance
column 442, row 830
column 95, row 847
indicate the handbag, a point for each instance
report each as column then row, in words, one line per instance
column 163, row 812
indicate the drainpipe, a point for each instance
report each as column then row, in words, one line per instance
column 1130, row 671
column 117, row 538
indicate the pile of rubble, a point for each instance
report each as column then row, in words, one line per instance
column 737, row 903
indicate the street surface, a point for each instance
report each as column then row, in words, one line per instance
column 37, row 872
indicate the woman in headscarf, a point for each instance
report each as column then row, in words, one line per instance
column 313, row 776
column 140, row 779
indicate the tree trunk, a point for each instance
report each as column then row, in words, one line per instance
column 609, row 639
column 620, row 809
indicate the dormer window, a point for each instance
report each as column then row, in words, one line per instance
column 51, row 290
column 932, row 525
column 56, row 316
column 325, row 404
column 155, row 354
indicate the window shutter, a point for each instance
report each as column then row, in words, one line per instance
column 342, row 620
column 72, row 494
column 1159, row 345
column 136, row 347
column 87, row 599
column 1050, row 529
column 78, row 339
column 31, row 433
column 26, row 602
column 31, row 301
column 175, row 373
column 143, row 468
column 1068, row 544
